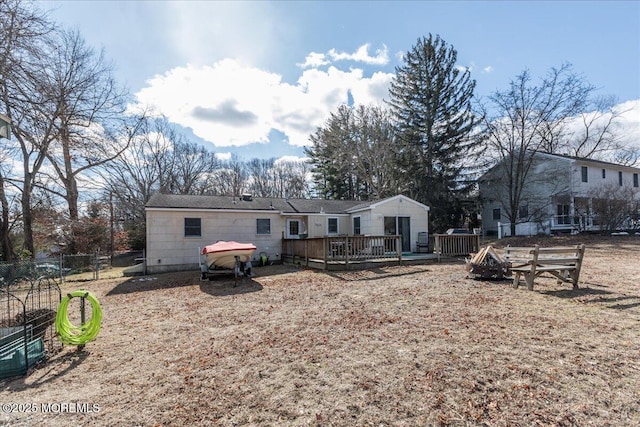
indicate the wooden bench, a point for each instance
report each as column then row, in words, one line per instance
column 562, row 262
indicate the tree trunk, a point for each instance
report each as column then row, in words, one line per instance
column 70, row 186
column 27, row 219
column 5, row 241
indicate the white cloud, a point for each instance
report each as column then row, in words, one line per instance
column 230, row 104
column 630, row 121
column 472, row 66
column 314, row 60
column 286, row 159
column 223, row 156
column 362, row 55
column 463, row 68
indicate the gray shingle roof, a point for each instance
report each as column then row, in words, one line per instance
column 320, row 205
column 176, row 201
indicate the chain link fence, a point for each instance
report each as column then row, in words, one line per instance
column 58, row 267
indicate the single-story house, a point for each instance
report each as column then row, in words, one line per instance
column 178, row 226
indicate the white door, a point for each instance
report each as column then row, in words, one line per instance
column 293, row 229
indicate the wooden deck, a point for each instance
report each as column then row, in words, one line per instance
column 330, row 252
column 361, row 252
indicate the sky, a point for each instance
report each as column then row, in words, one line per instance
column 256, row 78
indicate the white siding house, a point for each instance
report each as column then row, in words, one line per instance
column 178, row 226
column 398, row 215
column 560, row 194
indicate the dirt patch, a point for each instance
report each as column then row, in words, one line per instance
column 402, row 346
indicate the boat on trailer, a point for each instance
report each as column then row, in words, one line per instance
column 228, row 256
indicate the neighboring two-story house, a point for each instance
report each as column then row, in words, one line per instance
column 560, row 194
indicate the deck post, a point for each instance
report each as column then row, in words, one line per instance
column 306, row 252
column 346, row 252
column 324, row 253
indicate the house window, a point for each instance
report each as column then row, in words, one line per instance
column 635, row 180
column 293, row 228
column 356, row 225
column 604, row 173
column 192, row 227
column 332, row 225
column 390, row 226
column 497, row 214
column 523, row 212
column 563, row 217
column 263, row 226
column 585, row 174
column 620, row 179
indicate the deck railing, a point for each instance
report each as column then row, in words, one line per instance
column 342, row 249
column 456, row 244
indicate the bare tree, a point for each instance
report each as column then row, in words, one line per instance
column 142, row 169
column 260, row 174
column 290, row 179
column 278, row 178
column 593, row 133
column 25, row 44
column 6, row 245
column 192, row 163
column 81, row 84
column 230, row 178
column 616, row 207
column 157, row 159
column 598, row 136
column 526, row 119
column 627, row 155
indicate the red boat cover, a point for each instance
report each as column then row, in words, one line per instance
column 228, row 246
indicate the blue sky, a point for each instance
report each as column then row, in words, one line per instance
column 255, row 78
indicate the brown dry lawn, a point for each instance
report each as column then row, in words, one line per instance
column 392, row 346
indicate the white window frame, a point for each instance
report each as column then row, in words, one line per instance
column 192, row 227
column 293, row 236
column 353, row 224
column 257, row 228
column 584, row 172
column 337, row 225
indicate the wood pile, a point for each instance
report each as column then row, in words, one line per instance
column 488, row 264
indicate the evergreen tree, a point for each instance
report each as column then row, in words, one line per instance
column 430, row 98
column 353, row 155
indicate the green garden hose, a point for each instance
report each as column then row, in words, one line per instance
column 71, row 334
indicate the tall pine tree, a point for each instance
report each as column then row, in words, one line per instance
column 430, row 98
